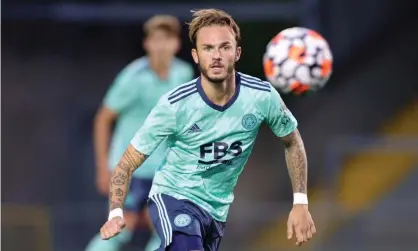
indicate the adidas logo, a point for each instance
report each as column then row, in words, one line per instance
column 194, row 128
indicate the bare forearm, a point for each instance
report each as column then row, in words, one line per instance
column 296, row 160
column 121, row 177
column 102, row 134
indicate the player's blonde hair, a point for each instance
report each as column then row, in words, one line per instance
column 207, row 17
column 167, row 23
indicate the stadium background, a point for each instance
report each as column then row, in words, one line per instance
column 361, row 131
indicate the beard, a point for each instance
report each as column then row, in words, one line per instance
column 216, row 79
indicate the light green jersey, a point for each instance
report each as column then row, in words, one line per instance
column 135, row 91
column 210, row 144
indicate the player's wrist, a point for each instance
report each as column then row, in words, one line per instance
column 300, row 199
column 117, row 212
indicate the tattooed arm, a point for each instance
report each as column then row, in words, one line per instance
column 299, row 223
column 284, row 125
column 121, row 177
column 296, row 160
column 160, row 123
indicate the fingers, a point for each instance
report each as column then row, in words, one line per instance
column 300, row 235
column 111, row 229
column 309, row 234
column 311, row 230
column 289, row 230
column 121, row 224
column 297, row 230
column 304, row 232
column 312, row 227
column 105, row 233
column 301, row 225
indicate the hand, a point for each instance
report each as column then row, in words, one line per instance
column 301, row 224
column 112, row 228
column 103, row 181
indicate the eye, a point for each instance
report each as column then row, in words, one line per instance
column 207, row 48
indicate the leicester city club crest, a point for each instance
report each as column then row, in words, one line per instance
column 249, row 121
column 182, row 220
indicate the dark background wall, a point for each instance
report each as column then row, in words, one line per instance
column 55, row 73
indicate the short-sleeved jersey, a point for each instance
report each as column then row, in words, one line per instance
column 135, row 91
column 210, row 144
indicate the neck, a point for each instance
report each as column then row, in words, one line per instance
column 219, row 93
column 160, row 67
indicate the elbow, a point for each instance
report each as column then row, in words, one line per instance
column 292, row 140
column 104, row 117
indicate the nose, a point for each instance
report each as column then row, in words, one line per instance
column 216, row 54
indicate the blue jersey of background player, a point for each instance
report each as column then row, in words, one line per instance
column 129, row 100
column 211, row 124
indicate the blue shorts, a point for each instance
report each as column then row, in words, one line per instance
column 136, row 200
column 170, row 216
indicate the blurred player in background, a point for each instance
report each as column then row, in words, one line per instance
column 128, row 102
column 211, row 123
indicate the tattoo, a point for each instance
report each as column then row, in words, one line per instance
column 121, row 178
column 124, row 166
column 119, row 192
column 115, row 204
column 296, row 161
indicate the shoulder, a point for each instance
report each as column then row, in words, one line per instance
column 181, row 64
column 261, row 93
column 130, row 73
column 255, row 88
column 183, row 69
column 180, row 94
column 254, row 84
column 136, row 65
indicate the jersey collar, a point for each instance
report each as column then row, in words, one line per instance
column 215, row 106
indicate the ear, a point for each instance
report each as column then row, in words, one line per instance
column 238, row 54
column 194, row 55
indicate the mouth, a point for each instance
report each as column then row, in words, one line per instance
column 217, row 67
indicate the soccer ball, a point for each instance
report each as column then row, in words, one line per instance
column 298, row 60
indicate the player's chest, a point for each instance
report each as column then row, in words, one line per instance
column 205, row 125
